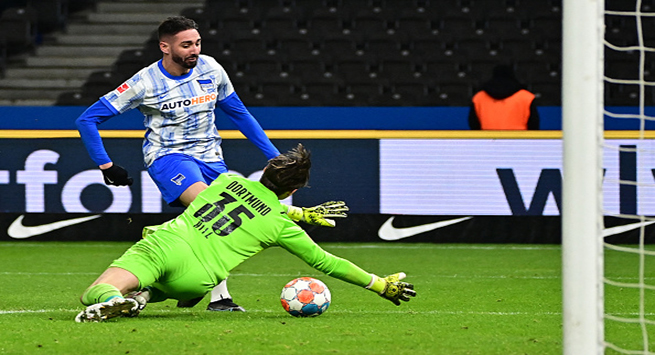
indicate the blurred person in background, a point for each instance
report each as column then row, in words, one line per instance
column 503, row 104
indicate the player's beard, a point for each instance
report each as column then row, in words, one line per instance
column 185, row 62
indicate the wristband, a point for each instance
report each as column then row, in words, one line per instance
column 295, row 213
column 377, row 284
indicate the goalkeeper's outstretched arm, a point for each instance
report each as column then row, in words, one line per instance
column 390, row 287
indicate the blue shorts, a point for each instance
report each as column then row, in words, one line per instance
column 174, row 173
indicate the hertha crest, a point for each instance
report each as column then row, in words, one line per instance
column 206, row 85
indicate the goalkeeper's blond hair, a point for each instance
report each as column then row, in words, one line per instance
column 288, row 171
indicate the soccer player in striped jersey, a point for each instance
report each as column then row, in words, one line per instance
column 228, row 223
column 182, row 147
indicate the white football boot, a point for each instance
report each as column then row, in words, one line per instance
column 116, row 307
column 142, row 297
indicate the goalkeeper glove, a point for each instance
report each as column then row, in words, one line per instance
column 116, row 175
column 317, row 215
column 392, row 288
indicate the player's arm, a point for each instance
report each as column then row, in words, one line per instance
column 300, row 244
column 87, row 125
column 533, row 121
column 237, row 112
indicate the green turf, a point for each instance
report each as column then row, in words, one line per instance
column 472, row 299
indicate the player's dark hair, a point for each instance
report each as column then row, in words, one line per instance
column 288, row 171
column 174, row 25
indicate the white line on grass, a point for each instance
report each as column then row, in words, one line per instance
column 437, row 312
column 437, row 276
column 297, row 275
column 24, row 311
column 31, row 311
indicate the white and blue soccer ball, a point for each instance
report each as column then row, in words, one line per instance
column 305, row 297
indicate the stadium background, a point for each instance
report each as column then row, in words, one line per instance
column 348, row 78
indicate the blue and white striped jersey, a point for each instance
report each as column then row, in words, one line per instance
column 178, row 110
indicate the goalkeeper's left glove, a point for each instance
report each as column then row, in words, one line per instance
column 392, row 288
column 317, row 215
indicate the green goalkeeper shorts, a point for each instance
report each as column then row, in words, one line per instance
column 166, row 262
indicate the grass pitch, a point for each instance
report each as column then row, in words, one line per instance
column 472, row 299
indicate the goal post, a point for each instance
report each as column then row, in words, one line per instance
column 582, row 215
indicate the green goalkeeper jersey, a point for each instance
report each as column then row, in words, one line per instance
column 236, row 218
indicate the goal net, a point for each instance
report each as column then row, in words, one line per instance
column 609, row 190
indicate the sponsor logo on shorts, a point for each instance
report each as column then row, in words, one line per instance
column 177, row 180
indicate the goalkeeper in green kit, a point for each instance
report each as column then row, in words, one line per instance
column 229, row 222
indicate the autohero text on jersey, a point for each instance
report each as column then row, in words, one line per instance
column 188, row 102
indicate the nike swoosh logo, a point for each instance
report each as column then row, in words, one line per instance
column 389, row 232
column 18, row 231
column 621, row 229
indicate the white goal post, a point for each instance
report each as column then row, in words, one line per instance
column 582, row 215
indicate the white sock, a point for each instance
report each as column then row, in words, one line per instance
column 220, row 292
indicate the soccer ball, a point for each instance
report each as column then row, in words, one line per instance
column 305, row 297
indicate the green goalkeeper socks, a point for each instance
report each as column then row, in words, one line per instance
column 100, row 293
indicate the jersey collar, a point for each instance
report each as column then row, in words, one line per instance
column 160, row 64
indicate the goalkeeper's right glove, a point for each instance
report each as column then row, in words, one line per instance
column 392, row 288
column 116, row 175
column 317, row 215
